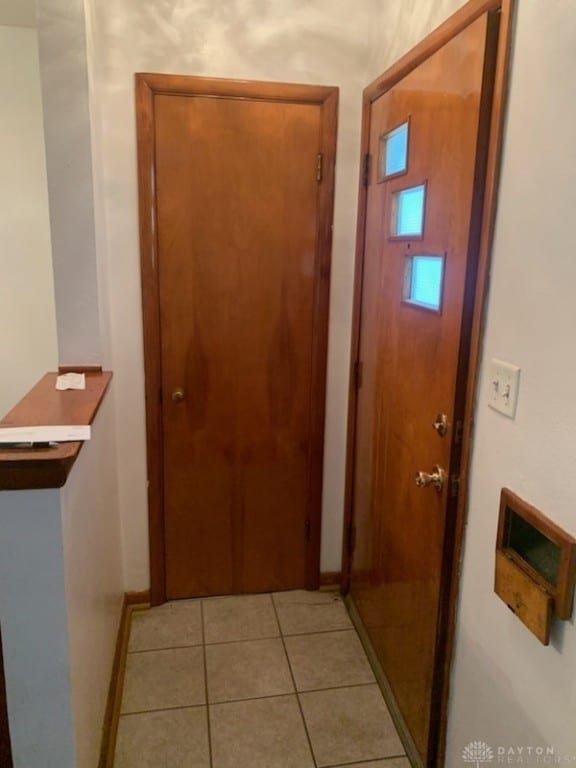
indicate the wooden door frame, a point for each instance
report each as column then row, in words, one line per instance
column 147, row 87
column 474, row 305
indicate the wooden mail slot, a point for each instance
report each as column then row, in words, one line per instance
column 529, row 601
column 535, row 565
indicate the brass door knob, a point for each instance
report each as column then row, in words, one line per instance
column 178, row 395
column 435, row 478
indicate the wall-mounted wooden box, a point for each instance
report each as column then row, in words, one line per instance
column 535, row 565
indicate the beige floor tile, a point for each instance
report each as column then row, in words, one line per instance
column 247, row 670
column 177, row 738
column 167, row 626
column 327, row 660
column 303, row 612
column 242, row 617
column 349, row 724
column 389, row 762
column 262, row 733
column 164, row 679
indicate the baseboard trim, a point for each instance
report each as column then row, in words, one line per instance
column 409, row 745
column 140, row 599
column 132, row 601
column 330, row 580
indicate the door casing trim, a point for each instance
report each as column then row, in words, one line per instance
column 455, row 24
column 148, row 85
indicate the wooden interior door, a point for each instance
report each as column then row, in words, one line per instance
column 242, row 199
column 412, row 358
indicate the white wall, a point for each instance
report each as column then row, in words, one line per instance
column 93, row 579
column 61, row 33
column 28, row 346
column 400, row 25
column 509, row 689
column 18, row 13
column 319, row 41
column 61, row 593
column 34, row 633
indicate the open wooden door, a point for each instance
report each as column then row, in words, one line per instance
column 427, row 132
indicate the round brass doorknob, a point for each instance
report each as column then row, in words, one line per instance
column 178, row 395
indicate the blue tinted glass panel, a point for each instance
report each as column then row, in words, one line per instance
column 423, row 280
column 394, row 151
column 409, row 211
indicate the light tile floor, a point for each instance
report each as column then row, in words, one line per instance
column 254, row 681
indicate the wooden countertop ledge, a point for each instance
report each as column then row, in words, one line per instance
column 45, row 405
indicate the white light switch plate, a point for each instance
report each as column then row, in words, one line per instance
column 504, row 382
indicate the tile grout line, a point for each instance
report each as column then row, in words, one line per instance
column 162, row 709
column 339, row 687
column 206, row 684
column 244, row 640
column 320, row 631
column 357, row 685
column 367, row 762
column 165, row 648
column 290, row 693
column 294, row 683
column 284, row 638
column 255, row 698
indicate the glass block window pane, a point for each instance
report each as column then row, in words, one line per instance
column 394, row 151
column 408, row 211
column 423, row 280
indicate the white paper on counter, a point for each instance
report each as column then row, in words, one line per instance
column 55, row 434
column 71, row 381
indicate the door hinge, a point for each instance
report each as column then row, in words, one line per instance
column 358, row 374
column 366, row 170
column 454, row 486
column 351, row 540
column 319, row 167
column 307, row 531
column 458, row 432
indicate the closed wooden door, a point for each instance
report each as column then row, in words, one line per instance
column 243, row 183
column 424, row 200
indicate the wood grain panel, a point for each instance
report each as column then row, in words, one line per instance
column 236, row 262
column 410, row 359
column 502, row 15
column 527, row 599
column 237, row 308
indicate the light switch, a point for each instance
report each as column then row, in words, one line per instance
column 504, row 382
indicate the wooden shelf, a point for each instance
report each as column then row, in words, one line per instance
column 45, row 405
